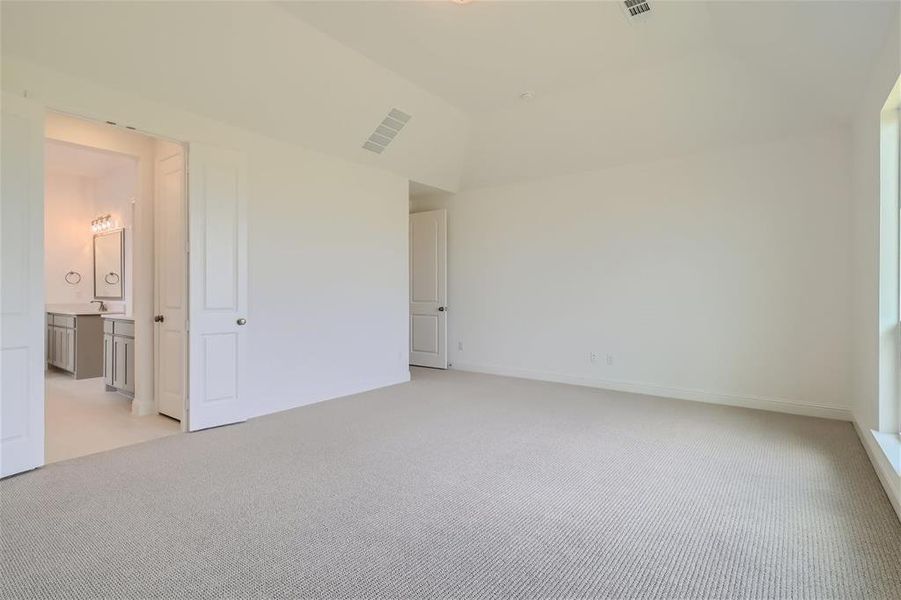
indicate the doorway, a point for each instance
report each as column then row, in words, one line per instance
column 114, row 249
column 215, row 288
column 428, row 289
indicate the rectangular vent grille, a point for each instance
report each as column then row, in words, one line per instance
column 637, row 7
column 385, row 133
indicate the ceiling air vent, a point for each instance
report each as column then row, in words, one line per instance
column 637, row 8
column 385, row 132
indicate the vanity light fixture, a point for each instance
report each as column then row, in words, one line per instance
column 102, row 223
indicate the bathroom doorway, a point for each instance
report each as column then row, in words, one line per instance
column 115, row 287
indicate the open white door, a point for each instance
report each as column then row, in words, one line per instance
column 171, row 294
column 22, row 282
column 428, row 289
column 217, row 229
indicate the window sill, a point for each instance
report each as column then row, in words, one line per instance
column 890, row 443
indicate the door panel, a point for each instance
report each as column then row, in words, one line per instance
column 108, row 359
column 428, row 289
column 119, row 362
column 129, row 345
column 22, row 316
column 70, row 350
column 54, row 354
column 171, row 335
column 217, row 185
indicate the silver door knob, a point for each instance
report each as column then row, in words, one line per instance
column 442, row 309
column 242, row 321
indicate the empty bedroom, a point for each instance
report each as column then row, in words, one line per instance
column 471, row 299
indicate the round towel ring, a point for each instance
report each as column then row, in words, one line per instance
column 73, row 277
column 111, row 278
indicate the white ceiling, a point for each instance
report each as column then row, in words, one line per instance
column 248, row 64
column 481, row 55
column 696, row 75
column 608, row 91
column 72, row 159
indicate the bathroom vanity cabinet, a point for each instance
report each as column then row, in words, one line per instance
column 119, row 354
column 74, row 343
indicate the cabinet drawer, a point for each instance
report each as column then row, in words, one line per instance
column 124, row 328
column 107, row 326
column 64, row 321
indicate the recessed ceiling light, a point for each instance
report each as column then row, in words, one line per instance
column 527, row 95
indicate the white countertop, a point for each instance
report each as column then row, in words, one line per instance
column 84, row 313
column 82, row 309
column 117, row 317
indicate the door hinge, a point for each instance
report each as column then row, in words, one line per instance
column 187, row 326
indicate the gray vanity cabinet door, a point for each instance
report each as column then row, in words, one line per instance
column 119, row 362
column 59, row 347
column 129, row 344
column 70, row 350
column 49, row 344
column 108, row 359
column 54, row 346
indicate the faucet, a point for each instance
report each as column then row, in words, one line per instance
column 102, row 307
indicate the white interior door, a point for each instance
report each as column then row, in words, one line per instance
column 428, row 289
column 217, row 217
column 171, row 310
column 22, row 324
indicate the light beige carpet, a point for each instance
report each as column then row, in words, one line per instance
column 469, row 486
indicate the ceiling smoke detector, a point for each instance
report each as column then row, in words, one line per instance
column 385, row 132
column 527, row 95
column 637, row 9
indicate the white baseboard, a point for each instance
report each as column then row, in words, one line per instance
column 141, row 408
column 757, row 402
column 339, row 391
column 890, row 479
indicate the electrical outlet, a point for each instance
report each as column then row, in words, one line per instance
column 594, row 357
column 460, row 346
column 610, row 360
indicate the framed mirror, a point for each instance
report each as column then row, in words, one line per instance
column 109, row 264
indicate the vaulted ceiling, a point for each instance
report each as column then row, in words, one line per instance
column 248, row 64
column 693, row 76
column 609, row 90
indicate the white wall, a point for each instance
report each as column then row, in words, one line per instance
column 116, row 194
column 328, row 278
column 874, row 286
column 71, row 202
column 327, row 250
column 68, row 210
column 720, row 276
column 865, row 231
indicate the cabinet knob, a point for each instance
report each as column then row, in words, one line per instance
column 241, row 321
